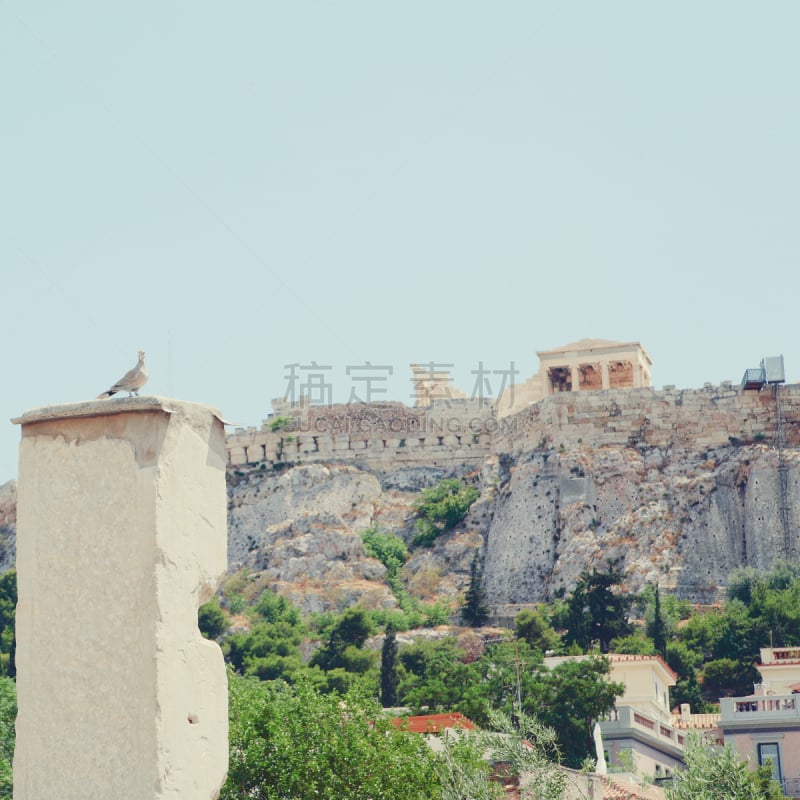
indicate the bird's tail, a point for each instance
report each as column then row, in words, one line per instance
column 105, row 394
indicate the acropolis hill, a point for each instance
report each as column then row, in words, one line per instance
column 582, row 463
column 585, row 463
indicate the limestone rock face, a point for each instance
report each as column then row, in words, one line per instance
column 682, row 519
column 677, row 516
column 301, row 531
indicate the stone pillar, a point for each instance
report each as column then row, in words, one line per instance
column 576, row 377
column 121, row 535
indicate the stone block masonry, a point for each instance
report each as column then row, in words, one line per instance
column 385, row 435
column 379, row 434
column 121, row 536
column 691, row 419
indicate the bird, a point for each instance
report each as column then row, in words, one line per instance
column 131, row 381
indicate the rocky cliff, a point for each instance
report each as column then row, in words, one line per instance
column 676, row 487
column 298, row 529
column 682, row 519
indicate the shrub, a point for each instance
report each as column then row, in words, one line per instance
column 211, row 620
column 441, row 508
column 281, row 424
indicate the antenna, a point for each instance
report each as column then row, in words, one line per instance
column 170, row 391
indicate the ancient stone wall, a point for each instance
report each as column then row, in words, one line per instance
column 686, row 418
column 454, row 431
column 463, row 431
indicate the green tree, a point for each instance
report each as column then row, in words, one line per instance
column 464, row 773
column 273, row 607
column 212, row 620
column 475, row 610
column 702, row 633
column 595, row 614
column 526, row 749
column 570, row 698
column 270, row 650
column 434, row 676
column 727, row 677
column 530, row 752
column 343, row 648
column 533, row 626
column 501, row 679
column 684, row 662
column 8, row 607
column 389, row 678
column 281, row 424
column 741, row 582
column 635, row 643
column 294, row 742
column 658, row 630
column 8, row 715
column 392, row 552
column 718, row 774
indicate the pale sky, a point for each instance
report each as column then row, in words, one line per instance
column 235, row 187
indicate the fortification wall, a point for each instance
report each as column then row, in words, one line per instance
column 464, row 431
column 383, row 434
column 685, row 418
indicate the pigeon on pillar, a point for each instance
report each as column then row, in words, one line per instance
column 131, row 381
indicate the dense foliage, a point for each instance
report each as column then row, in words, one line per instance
column 510, row 677
column 294, row 742
column 712, row 651
column 441, row 508
column 8, row 606
column 8, row 715
column 595, row 613
column 719, row 774
column 271, row 648
column 392, row 552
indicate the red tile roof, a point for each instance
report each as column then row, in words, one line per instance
column 434, row 723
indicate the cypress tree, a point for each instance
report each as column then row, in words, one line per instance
column 389, row 678
column 475, row 610
column 659, row 627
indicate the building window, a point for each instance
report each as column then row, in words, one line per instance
column 769, row 753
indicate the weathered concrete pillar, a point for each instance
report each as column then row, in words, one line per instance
column 121, row 535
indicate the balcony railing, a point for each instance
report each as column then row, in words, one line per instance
column 626, row 717
column 785, row 654
column 759, row 708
